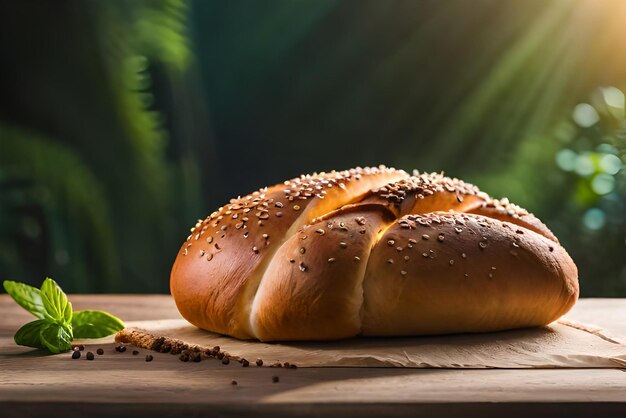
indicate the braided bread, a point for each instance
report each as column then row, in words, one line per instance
column 372, row 252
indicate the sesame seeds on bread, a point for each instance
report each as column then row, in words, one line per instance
column 370, row 251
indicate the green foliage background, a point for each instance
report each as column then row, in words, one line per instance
column 122, row 122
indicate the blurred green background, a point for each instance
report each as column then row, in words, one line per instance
column 122, row 122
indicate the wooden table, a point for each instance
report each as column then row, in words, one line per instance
column 123, row 384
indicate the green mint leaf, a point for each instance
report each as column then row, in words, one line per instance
column 28, row 335
column 95, row 324
column 56, row 302
column 57, row 338
column 27, row 297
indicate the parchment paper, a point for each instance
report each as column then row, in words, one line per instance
column 563, row 344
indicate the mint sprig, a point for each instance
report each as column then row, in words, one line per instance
column 57, row 325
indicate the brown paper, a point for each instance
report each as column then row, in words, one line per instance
column 562, row 344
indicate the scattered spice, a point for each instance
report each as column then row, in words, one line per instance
column 90, row 355
column 100, row 351
column 76, row 355
column 234, row 383
column 275, row 379
column 186, row 353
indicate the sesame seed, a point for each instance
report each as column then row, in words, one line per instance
column 209, row 240
column 331, row 260
column 265, row 236
column 441, row 237
column 398, row 249
column 463, row 255
column 302, row 250
column 201, row 253
column 425, row 237
column 451, row 262
column 402, row 272
column 343, row 244
column 391, row 242
column 279, row 214
column 406, row 258
column 278, row 204
column 360, row 220
column 296, row 207
column 291, row 260
column 390, row 261
column 209, row 257
column 412, row 241
column 357, row 259
column 493, row 268
column 255, row 250
column 303, row 267
column 185, row 251
column 490, row 275
column 425, row 254
column 482, row 245
column 458, row 230
column 320, row 231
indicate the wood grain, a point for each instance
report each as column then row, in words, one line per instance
column 33, row 383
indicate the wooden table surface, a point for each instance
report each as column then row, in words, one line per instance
column 121, row 384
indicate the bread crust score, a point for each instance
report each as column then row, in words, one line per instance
column 372, row 252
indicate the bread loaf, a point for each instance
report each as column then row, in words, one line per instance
column 372, row 252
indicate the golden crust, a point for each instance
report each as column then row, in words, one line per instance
column 310, row 259
column 218, row 268
column 453, row 272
